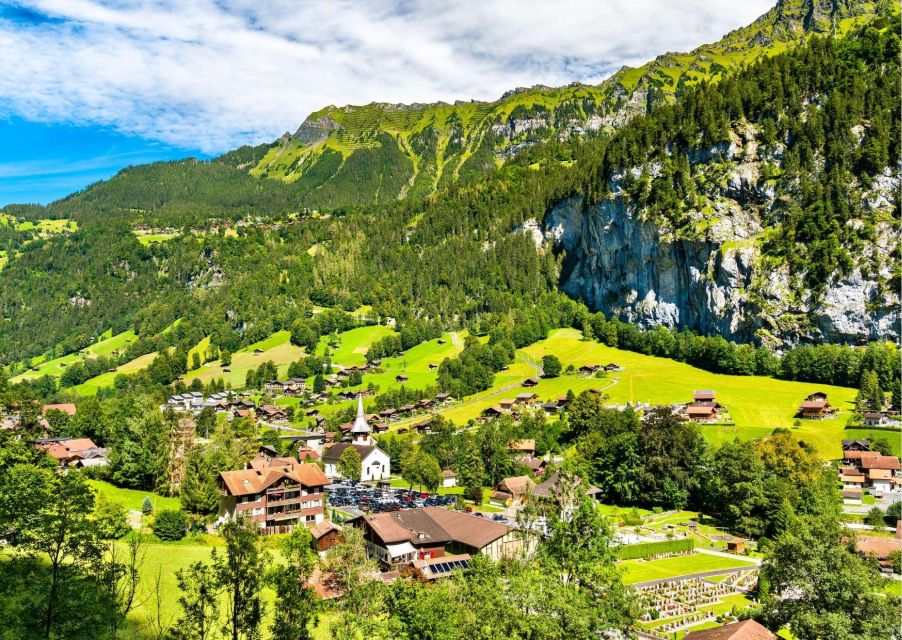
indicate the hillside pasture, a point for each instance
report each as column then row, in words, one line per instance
column 757, row 404
column 276, row 348
column 91, row 386
column 105, row 346
column 353, row 345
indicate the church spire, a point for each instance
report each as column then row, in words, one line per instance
column 360, row 430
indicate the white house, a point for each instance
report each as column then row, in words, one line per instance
column 374, row 462
column 449, row 479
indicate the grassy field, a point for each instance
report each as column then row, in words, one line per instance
column 757, row 404
column 132, row 499
column 415, row 364
column 152, row 238
column 105, row 346
column 644, row 570
column 353, row 344
column 91, row 386
column 276, row 348
column 200, row 349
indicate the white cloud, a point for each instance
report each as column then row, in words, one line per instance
column 214, row 74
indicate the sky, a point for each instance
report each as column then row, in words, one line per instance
column 91, row 86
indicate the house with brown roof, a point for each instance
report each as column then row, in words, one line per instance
column 890, row 463
column 531, row 382
column 879, row 547
column 745, row 630
column 276, row 493
column 398, row 539
column 704, row 395
column 815, row 409
column 326, row 535
column 511, row 491
column 67, row 407
column 523, row 447
column 73, row 451
column 856, row 445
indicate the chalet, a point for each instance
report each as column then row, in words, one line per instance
column 704, row 395
column 588, row 370
column 272, row 413
column 494, row 412
column 507, row 404
column 444, row 398
column 67, row 407
column 878, row 419
column 613, row 366
column 562, row 401
column 401, row 378
column 388, row 413
column 528, row 399
column 551, row 407
column 536, row 465
column 699, row 412
column 511, row 491
column 531, row 382
column 73, row 451
column 380, row 427
column 426, row 403
column 817, row 395
column 523, row 447
column 889, row 463
column 880, row 548
column 547, row 490
column 815, row 409
column 326, row 535
column 856, row 445
column 745, row 630
column 449, row 479
column 374, row 462
column 274, row 386
column 881, row 480
column 854, row 456
column 276, row 493
column 424, row 427
column 398, row 539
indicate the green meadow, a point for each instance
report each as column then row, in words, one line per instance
column 91, row 386
column 276, row 348
column 353, row 344
column 756, row 404
column 132, row 499
column 106, row 345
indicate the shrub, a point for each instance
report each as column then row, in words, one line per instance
column 147, row 506
column 170, row 525
column 649, row 549
column 111, row 519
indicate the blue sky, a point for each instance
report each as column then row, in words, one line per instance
column 91, row 86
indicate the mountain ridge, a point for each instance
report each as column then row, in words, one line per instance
column 429, row 146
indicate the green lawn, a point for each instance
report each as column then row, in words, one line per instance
column 893, row 588
column 105, row 346
column 151, row 238
column 645, row 570
column 132, row 499
column 757, row 404
column 414, row 364
column 276, row 348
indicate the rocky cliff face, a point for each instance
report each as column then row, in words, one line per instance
column 627, row 267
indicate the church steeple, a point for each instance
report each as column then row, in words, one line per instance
column 360, row 430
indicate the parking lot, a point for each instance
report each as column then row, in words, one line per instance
column 370, row 499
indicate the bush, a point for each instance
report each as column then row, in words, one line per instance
column 147, row 506
column 649, row 549
column 111, row 519
column 474, row 494
column 874, row 517
column 170, row 525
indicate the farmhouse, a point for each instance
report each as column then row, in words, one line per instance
column 374, row 462
column 703, row 408
column 400, row 538
column 704, row 395
column 531, row 382
column 856, row 445
column 527, row 398
column 879, row 547
column 878, row 419
column 81, row 452
column 815, row 407
column 589, row 369
column 511, row 491
column 613, row 366
column 276, row 493
column 523, row 447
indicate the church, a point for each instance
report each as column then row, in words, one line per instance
column 374, row 462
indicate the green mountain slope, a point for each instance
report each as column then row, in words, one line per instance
column 355, row 155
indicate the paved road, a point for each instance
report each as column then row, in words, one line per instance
column 689, row 576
